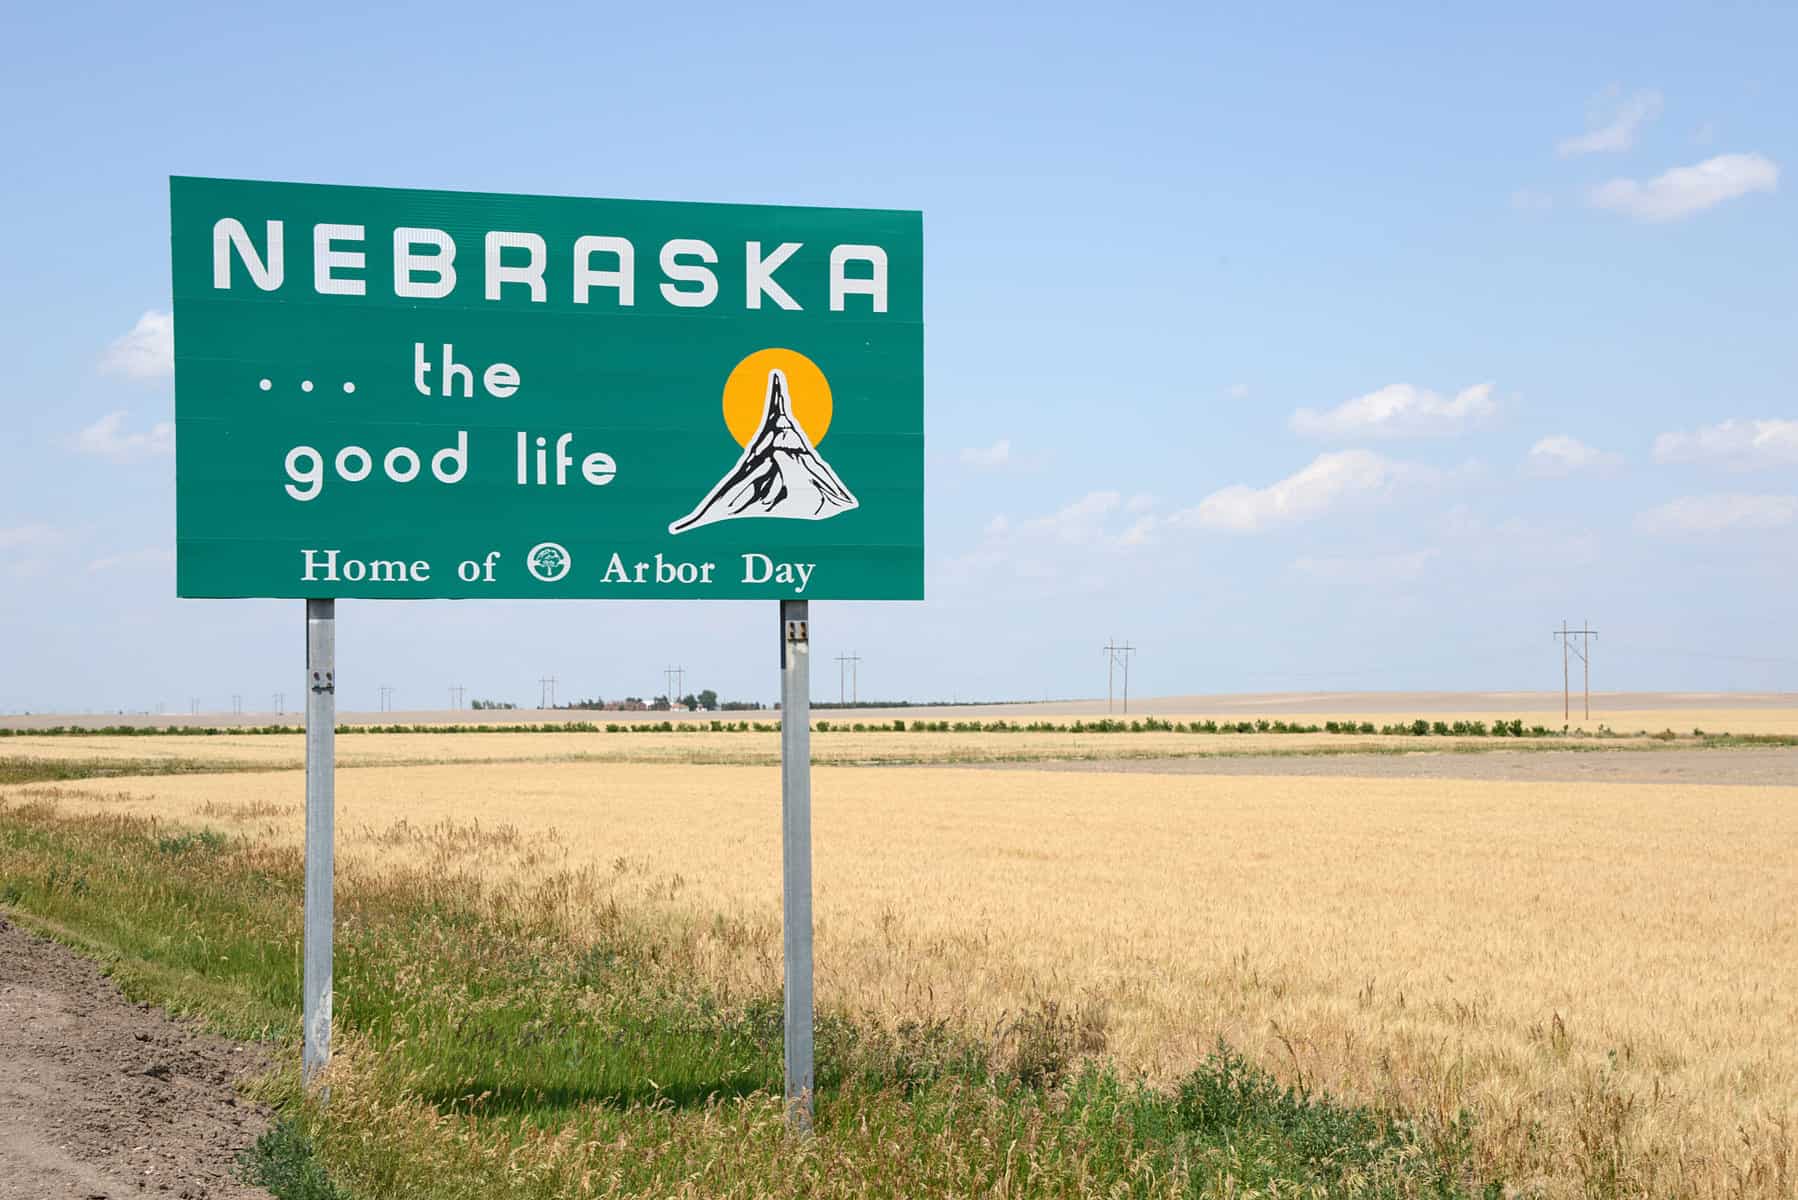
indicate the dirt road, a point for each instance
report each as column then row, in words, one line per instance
column 100, row 1097
column 1748, row 767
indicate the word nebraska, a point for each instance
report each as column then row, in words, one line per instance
column 424, row 266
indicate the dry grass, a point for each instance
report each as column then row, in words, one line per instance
column 1602, row 974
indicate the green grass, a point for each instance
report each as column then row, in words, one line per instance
column 483, row 1050
column 284, row 1162
column 48, row 770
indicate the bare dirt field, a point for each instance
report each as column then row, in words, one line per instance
column 102, row 1098
column 1774, row 767
column 1597, row 961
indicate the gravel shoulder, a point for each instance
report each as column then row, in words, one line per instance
column 103, row 1098
column 1745, row 767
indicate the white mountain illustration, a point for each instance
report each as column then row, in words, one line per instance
column 779, row 475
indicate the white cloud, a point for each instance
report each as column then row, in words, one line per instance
column 1739, row 445
column 1059, row 546
column 1081, row 523
column 996, row 455
column 1329, row 481
column 33, row 534
column 147, row 352
column 1371, row 568
column 1559, row 455
column 29, row 541
column 1141, row 533
column 1399, row 410
column 153, row 556
column 108, row 439
column 1514, row 546
column 1613, row 124
column 1717, row 514
column 1683, row 191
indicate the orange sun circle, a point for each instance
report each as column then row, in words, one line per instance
column 746, row 393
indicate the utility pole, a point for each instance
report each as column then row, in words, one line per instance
column 546, row 692
column 1583, row 651
column 386, row 698
column 455, row 697
column 676, row 678
column 193, row 706
column 1116, row 655
column 280, row 703
column 855, row 679
column 848, row 669
column 236, row 705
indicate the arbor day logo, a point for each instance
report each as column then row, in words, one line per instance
column 548, row 561
column 777, row 406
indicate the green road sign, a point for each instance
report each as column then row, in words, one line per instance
column 409, row 394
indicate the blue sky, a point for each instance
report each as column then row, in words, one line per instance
column 1306, row 348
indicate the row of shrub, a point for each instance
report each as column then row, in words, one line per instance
column 1514, row 728
column 1417, row 728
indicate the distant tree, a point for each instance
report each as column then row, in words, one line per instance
column 660, row 704
column 708, row 700
column 492, row 704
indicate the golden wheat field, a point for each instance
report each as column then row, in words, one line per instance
column 1594, row 971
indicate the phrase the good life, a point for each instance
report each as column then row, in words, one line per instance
column 539, row 461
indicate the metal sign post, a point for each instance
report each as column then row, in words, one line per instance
column 321, row 819
column 796, row 855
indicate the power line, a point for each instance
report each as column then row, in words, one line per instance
column 546, row 692
column 676, row 678
column 1747, row 658
column 1114, row 656
column 1584, row 651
